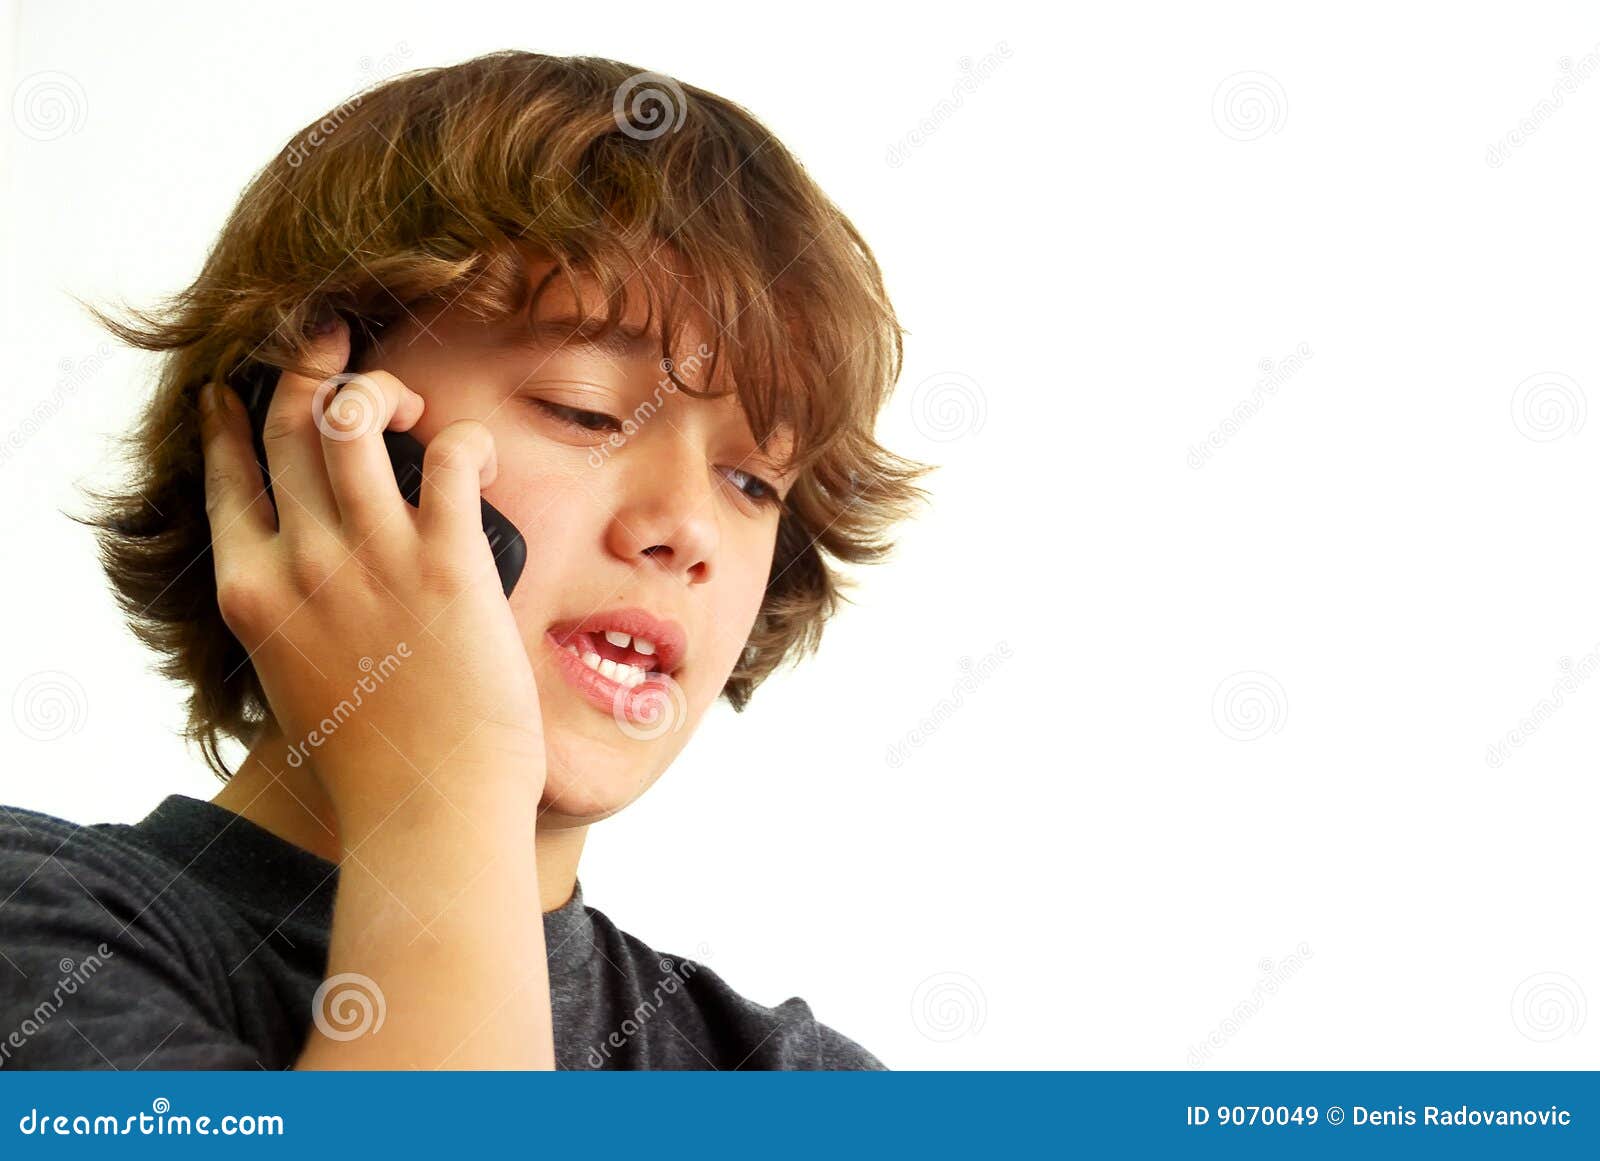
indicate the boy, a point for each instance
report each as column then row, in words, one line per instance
column 620, row 312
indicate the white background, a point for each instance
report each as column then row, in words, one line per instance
column 1114, row 842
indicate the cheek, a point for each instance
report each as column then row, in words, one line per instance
column 745, row 569
column 560, row 526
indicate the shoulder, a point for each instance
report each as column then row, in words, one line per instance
column 102, row 964
column 44, row 859
column 812, row 1044
column 736, row 1032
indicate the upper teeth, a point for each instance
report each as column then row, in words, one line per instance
column 621, row 640
column 622, row 674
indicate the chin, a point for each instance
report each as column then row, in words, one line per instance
column 585, row 783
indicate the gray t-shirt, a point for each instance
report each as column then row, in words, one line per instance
column 197, row 939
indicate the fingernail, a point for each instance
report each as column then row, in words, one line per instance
column 208, row 399
column 326, row 320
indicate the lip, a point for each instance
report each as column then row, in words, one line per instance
column 606, row 695
column 670, row 640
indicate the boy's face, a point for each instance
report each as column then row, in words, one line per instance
column 649, row 500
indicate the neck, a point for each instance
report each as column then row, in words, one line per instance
column 288, row 802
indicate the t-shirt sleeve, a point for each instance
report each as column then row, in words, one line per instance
column 837, row 1051
column 97, row 969
column 804, row 1042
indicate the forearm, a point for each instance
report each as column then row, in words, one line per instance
column 438, row 903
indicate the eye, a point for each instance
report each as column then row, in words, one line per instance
column 763, row 493
column 574, row 417
column 751, row 487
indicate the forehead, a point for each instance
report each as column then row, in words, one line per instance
column 571, row 312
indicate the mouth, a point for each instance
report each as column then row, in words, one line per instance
column 607, row 653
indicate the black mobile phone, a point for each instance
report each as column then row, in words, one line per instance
column 405, row 453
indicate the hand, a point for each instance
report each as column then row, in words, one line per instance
column 380, row 632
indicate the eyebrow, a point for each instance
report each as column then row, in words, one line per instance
column 570, row 331
column 621, row 342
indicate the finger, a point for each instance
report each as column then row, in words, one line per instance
column 292, row 440
column 458, row 463
column 237, row 505
column 359, row 470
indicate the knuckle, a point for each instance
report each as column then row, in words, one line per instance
column 373, row 568
column 384, row 383
column 241, row 602
column 461, row 442
column 308, row 566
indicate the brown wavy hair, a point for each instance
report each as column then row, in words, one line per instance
column 437, row 186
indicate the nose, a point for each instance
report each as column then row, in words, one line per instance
column 664, row 508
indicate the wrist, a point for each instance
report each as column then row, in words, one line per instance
column 466, row 798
